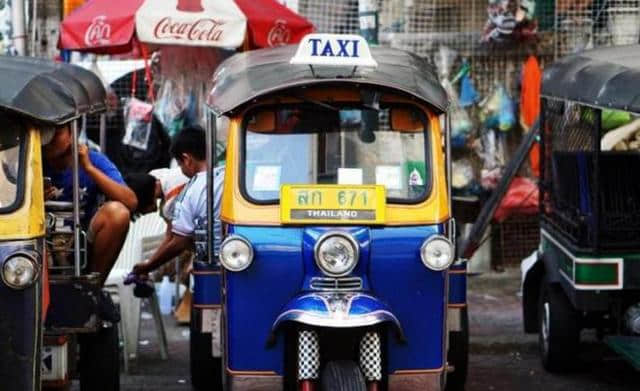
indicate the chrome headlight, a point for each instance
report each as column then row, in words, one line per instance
column 19, row 271
column 336, row 254
column 437, row 253
column 236, row 253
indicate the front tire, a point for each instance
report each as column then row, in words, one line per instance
column 458, row 354
column 559, row 335
column 100, row 360
column 342, row 376
column 206, row 370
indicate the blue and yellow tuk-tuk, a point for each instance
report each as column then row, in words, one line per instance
column 586, row 273
column 48, row 301
column 337, row 261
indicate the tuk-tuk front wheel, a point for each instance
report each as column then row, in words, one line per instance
column 342, row 376
column 559, row 336
column 100, row 360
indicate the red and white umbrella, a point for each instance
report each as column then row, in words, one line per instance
column 111, row 26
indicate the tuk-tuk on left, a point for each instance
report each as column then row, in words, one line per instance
column 49, row 303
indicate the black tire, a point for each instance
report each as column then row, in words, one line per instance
column 206, row 370
column 342, row 376
column 458, row 354
column 100, row 360
column 559, row 335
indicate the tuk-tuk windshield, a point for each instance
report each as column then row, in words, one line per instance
column 332, row 144
column 11, row 174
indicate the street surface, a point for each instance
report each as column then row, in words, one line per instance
column 502, row 357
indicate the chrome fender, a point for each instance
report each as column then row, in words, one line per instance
column 337, row 310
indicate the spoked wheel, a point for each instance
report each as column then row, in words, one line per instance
column 206, row 370
column 559, row 335
column 458, row 354
column 100, row 360
column 342, row 376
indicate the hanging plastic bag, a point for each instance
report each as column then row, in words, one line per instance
column 498, row 110
column 507, row 117
column 137, row 116
column 468, row 93
column 490, row 149
column 444, row 59
column 462, row 174
column 460, row 122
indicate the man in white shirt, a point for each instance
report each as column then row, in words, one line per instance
column 190, row 210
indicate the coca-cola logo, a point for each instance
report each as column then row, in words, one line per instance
column 204, row 29
column 280, row 34
column 98, row 33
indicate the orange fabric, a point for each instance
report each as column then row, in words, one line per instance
column 534, row 159
column 68, row 6
column 530, row 94
column 530, row 105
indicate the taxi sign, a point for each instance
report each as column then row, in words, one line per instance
column 332, row 204
column 334, row 50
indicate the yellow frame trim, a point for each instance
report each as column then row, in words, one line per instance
column 328, row 200
column 28, row 221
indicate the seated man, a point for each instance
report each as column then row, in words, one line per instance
column 107, row 225
column 190, row 210
column 164, row 184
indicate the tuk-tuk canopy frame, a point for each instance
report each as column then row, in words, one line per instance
column 607, row 78
column 249, row 75
column 49, row 92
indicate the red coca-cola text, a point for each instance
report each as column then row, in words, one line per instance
column 205, row 29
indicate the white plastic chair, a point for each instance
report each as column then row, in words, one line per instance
column 145, row 235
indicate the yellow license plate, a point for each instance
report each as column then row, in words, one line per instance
column 332, row 204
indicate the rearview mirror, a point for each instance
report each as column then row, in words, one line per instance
column 370, row 124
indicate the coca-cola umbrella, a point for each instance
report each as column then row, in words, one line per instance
column 112, row 26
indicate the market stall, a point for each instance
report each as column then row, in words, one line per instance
column 181, row 42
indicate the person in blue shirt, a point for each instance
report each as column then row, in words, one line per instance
column 106, row 223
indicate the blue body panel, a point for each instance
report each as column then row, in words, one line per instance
column 415, row 294
column 255, row 297
column 458, row 284
column 394, row 280
column 206, row 284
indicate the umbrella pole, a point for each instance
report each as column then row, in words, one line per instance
column 19, row 37
column 34, row 30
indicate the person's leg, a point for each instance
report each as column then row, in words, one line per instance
column 108, row 230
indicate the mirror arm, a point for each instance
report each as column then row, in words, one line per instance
column 211, row 165
column 76, row 197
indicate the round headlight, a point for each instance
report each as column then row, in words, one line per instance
column 236, row 254
column 336, row 254
column 437, row 253
column 19, row 271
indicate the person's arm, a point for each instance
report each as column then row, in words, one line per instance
column 111, row 188
column 172, row 246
